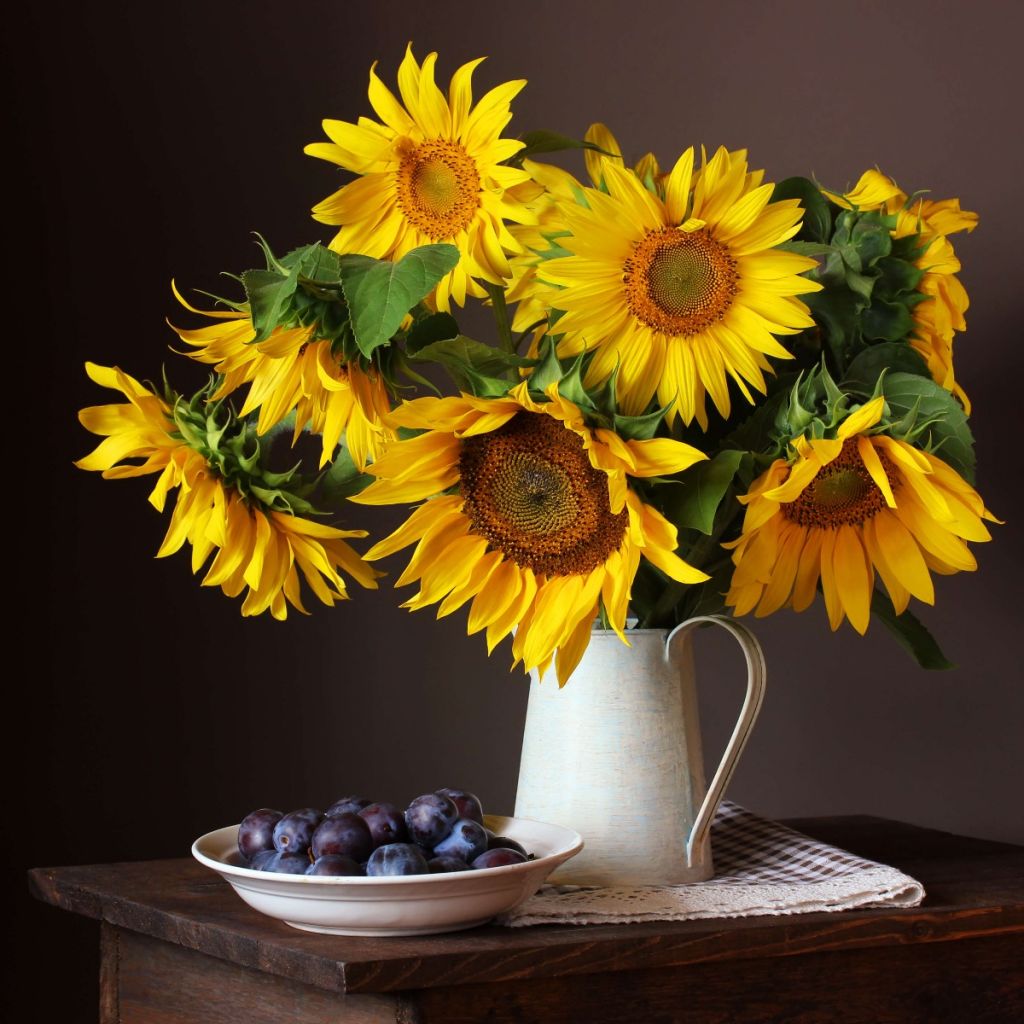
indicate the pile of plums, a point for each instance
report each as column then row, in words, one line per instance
column 437, row 832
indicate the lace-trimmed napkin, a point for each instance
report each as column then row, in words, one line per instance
column 761, row 868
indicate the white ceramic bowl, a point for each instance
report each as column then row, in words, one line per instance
column 404, row 905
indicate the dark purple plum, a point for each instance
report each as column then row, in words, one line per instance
column 287, row 863
column 466, row 840
column 467, row 803
column 346, row 834
column 293, row 833
column 504, row 843
column 334, row 864
column 261, row 858
column 396, row 859
column 498, row 859
column 429, row 819
column 256, row 833
column 442, row 865
column 347, row 805
column 387, row 825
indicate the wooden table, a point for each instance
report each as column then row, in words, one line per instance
column 178, row 945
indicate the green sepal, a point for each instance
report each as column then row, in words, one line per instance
column 548, row 370
column 315, row 263
column 276, row 498
column 869, row 239
column 268, row 293
column 639, row 428
column 910, row 632
column 572, row 388
column 238, row 455
column 380, row 293
column 238, row 307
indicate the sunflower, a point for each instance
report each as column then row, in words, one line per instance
column 941, row 316
column 529, row 515
column 259, row 548
column 431, row 172
column 557, row 187
column 844, row 509
column 293, row 371
column 681, row 289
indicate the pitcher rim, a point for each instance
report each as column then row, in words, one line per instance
column 597, row 631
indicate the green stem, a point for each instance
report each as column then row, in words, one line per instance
column 501, row 317
column 702, row 551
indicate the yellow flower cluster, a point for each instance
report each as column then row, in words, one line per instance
column 661, row 303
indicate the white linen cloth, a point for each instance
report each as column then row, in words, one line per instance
column 761, row 867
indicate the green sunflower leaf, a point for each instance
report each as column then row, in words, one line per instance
column 484, row 386
column 899, row 276
column 886, row 357
column 694, row 500
column 552, row 142
column 817, row 224
column 888, row 321
column 471, row 363
column 837, row 312
column 380, row 293
column 910, row 632
column 436, row 327
column 806, row 248
column 947, row 433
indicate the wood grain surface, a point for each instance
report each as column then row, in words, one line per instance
column 179, row 947
column 975, row 892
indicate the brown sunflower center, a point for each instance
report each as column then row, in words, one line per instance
column 530, row 489
column 843, row 493
column 679, row 282
column 438, row 188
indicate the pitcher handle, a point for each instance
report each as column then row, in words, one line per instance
column 745, row 723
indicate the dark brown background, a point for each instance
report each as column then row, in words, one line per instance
column 146, row 711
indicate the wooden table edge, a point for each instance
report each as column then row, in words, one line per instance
column 607, row 948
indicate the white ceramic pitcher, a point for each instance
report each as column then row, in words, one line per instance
column 616, row 755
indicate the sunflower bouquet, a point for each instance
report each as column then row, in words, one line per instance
column 704, row 391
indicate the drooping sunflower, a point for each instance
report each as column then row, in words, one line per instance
column 844, row 510
column 260, row 548
column 682, row 288
column 529, row 514
column 294, row 371
column 938, row 319
column 429, row 171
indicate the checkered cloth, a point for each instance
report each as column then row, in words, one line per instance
column 761, row 867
